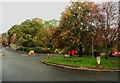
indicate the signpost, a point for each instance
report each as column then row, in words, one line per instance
column 98, row 60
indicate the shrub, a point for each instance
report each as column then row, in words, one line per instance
column 85, row 53
column 21, row 49
column 36, row 49
column 65, row 52
column 96, row 53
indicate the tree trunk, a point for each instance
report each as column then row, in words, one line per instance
column 107, row 51
column 80, row 50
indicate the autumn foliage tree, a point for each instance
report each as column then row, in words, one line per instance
column 4, row 39
column 84, row 26
column 42, row 38
column 75, row 29
column 33, row 33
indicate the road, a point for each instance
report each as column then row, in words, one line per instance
column 19, row 67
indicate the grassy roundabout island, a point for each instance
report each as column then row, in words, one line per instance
column 84, row 62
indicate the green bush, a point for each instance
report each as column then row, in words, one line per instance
column 27, row 49
column 84, row 53
column 22, row 49
column 37, row 50
column 65, row 52
column 96, row 53
column 45, row 51
column 52, row 50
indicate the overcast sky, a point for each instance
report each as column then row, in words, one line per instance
column 16, row 12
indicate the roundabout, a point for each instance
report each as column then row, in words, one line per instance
column 84, row 63
column 79, row 68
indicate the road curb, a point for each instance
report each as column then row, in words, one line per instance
column 77, row 68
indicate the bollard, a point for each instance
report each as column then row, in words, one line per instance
column 98, row 60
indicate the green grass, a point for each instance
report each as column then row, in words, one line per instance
column 87, row 62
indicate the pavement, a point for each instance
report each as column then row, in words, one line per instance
column 21, row 67
column 1, row 54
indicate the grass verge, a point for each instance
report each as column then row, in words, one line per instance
column 86, row 62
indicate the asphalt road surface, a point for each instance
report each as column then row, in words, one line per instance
column 20, row 67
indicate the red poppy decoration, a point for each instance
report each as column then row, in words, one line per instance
column 69, row 52
column 73, row 52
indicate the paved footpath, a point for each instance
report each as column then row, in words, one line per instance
column 1, row 54
column 20, row 67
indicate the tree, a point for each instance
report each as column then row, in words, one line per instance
column 119, row 28
column 13, row 38
column 51, row 24
column 26, row 31
column 75, row 26
column 42, row 38
column 109, row 24
column 4, row 39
